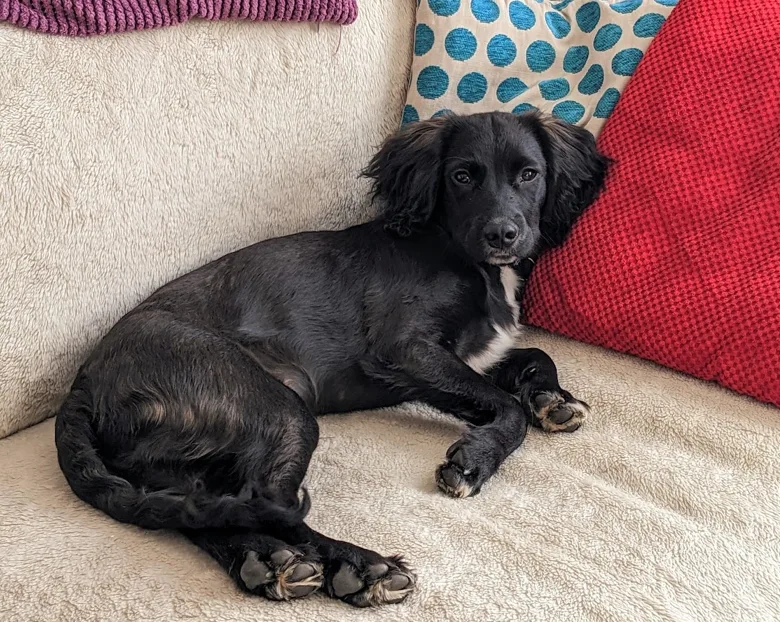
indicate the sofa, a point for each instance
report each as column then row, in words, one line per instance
column 127, row 160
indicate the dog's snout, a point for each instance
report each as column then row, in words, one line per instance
column 501, row 234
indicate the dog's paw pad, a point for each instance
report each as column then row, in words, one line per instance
column 383, row 583
column 558, row 411
column 255, row 572
column 346, row 581
column 286, row 574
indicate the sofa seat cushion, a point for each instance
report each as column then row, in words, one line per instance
column 664, row 506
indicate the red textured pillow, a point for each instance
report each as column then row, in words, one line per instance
column 679, row 260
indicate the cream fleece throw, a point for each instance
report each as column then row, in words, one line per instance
column 99, row 17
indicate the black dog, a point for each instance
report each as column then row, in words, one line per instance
column 197, row 411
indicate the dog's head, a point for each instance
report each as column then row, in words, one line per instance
column 504, row 186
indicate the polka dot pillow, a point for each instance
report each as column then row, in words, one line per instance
column 571, row 58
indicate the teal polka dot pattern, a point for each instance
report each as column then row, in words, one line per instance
column 472, row 88
column 410, row 114
column 521, row 16
column 607, row 36
column 554, row 89
column 649, row 25
column 540, row 56
column 423, row 39
column 510, row 88
column 445, row 8
column 575, row 59
column 521, row 108
column 569, row 58
column 432, row 82
column 607, row 103
column 588, row 16
column 461, row 44
column 625, row 61
column 593, row 80
column 626, row 6
column 501, row 50
column 569, row 110
column 485, row 11
column 557, row 24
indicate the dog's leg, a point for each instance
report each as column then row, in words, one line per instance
column 271, row 458
column 263, row 565
column 531, row 376
column 478, row 454
column 432, row 374
column 353, row 574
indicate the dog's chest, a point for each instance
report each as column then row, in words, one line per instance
column 503, row 335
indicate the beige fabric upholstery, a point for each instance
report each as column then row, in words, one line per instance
column 127, row 160
column 663, row 507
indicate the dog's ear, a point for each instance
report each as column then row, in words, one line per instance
column 575, row 175
column 405, row 175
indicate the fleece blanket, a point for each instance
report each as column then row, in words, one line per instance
column 663, row 507
column 100, row 17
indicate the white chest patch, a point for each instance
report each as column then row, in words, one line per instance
column 505, row 336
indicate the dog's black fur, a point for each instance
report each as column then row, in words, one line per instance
column 197, row 410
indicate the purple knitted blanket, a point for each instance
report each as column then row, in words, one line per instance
column 99, row 17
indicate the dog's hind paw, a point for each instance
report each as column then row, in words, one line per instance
column 286, row 573
column 386, row 582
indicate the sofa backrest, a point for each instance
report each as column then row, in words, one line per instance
column 126, row 160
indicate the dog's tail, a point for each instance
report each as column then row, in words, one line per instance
column 195, row 508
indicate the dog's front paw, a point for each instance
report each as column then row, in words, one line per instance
column 461, row 474
column 558, row 411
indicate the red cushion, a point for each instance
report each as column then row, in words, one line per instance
column 679, row 260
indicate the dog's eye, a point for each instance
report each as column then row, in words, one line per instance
column 528, row 174
column 462, row 177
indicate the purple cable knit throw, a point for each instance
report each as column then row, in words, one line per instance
column 99, row 17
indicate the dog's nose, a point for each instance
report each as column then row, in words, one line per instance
column 501, row 234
